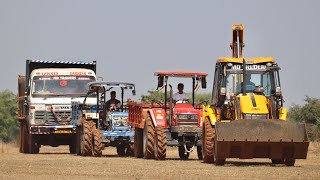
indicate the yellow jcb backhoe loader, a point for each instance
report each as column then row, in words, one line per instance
column 246, row 118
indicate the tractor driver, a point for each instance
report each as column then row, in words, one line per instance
column 112, row 104
column 180, row 95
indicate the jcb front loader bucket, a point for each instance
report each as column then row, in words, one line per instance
column 261, row 138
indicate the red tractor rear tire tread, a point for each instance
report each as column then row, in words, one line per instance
column 161, row 143
column 149, row 151
column 208, row 142
column 97, row 142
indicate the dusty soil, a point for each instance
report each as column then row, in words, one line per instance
column 56, row 163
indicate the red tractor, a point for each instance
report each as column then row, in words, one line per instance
column 158, row 125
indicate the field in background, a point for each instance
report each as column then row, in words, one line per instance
column 57, row 163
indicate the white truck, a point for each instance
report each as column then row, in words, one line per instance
column 44, row 103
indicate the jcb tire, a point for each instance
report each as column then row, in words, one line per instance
column 289, row 162
column 130, row 149
column 161, row 143
column 121, row 150
column 86, row 139
column 138, row 143
column 183, row 154
column 97, row 142
column 199, row 152
column 148, row 140
column 208, row 142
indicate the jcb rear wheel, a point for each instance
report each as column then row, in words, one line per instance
column 161, row 143
column 97, row 142
column 148, row 140
column 208, row 142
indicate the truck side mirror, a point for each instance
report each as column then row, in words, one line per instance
column 160, row 81
column 134, row 92
column 203, row 83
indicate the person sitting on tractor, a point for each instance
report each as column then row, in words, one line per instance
column 112, row 104
column 180, row 95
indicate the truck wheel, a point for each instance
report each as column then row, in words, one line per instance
column 130, row 149
column 138, row 143
column 121, row 150
column 208, row 142
column 148, row 140
column 97, row 142
column 183, row 154
column 289, row 162
column 86, row 139
column 199, row 152
column 161, row 143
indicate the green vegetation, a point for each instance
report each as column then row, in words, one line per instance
column 308, row 113
column 9, row 128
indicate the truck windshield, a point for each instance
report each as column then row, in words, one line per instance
column 258, row 78
column 60, row 85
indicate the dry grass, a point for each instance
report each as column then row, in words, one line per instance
column 56, row 163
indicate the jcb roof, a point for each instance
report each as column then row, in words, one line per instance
column 249, row 60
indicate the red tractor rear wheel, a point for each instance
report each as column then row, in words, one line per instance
column 148, row 140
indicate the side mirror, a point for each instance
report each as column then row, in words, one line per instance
column 134, row 92
column 203, row 83
column 160, row 81
column 223, row 91
column 278, row 91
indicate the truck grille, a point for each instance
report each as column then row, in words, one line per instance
column 53, row 118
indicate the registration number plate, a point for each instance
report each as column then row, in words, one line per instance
column 63, row 131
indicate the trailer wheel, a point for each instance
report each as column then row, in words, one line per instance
column 72, row 148
column 97, row 142
column 289, row 162
column 208, row 142
column 86, row 139
column 199, row 152
column 277, row 161
column 161, row 143
column 138, row 143
column 130, row 149
column 148, row 140
column 183, row 154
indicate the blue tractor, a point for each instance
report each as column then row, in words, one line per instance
column 102, row 124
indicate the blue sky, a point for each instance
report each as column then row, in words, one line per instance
column 132, row 39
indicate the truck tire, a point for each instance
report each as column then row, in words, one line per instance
column 208, row 142
column 148, row 139
column 97, row 142
column 199, row 152
column 161, row 143
column 183, row 154
column 121, row 150
column 86, row 139
column 138, row 143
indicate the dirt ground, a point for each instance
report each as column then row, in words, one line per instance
column 57, row 163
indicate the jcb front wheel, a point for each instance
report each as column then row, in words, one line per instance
column 208, row 142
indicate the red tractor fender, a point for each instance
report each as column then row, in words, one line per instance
column 158, row 117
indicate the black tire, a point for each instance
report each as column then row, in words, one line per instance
column 183, row 154
column 277, row 161
column 289, row 162
column 121, row 150
column 219, row 162
column 148, row 140
column 97, row 142
column 78, row 139
column 161, row 143
column 199, row 152
column 86, row 139
column 72, row 148
column 24, row 138
column 208, row 142
column 130, row 149
column 138, row 143
column 34, row 148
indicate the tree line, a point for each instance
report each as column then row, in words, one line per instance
column 308, row 113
